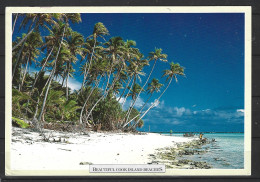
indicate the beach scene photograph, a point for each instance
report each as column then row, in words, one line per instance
column 152, row 92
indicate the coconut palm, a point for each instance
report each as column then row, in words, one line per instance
column 74, row 17
column 157, row 55
column 99, row 31
column 134, row 94
column 135, row 71
column 31, row 52
column 74, row 43
column 38, row 20
column 115, row 50
column 97, row 70
column 175, row 69
column 154, row 86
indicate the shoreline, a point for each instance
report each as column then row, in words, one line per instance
column 74, row 151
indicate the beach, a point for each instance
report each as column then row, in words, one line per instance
column 76, row 151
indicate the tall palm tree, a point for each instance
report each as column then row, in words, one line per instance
column 99, row 31
column 74, row 17
column 157, row 55
column 115, row 50
column 135, row 71
column 38, row 20
column 154, row 86
column 134, row 94
column 175, row 69
column 51, row 41
column 31, row 51
column 98, row 71
column 74, row 43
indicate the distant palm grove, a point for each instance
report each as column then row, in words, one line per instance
column 111, row 68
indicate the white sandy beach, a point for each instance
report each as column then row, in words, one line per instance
column 30, row 152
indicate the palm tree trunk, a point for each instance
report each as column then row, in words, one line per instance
column 25, row 71
column 51, row 77
column 17, row 60
column 91, row 57
column 141, row 89
column 154, row 103
column 20, row 51
column 16, row 16
column 108, row 79
column 24, row 39
column 113, row 83
column 129, row 81
column 67, row 88
column 139, row 113
column 43, row 67
column 38, row 100
column 85, row 103
column 145, row 103
column 128, row 93
column 46, row 93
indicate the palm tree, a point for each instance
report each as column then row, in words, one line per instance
column 154, row 86
column 98, row 70
column 135, row 71
column 74, row 17
column 51, row 41
column 31, row 52
column 115, row 51
column 134, row 94
column 130, row 54
column 175, row 69
column 74, row 43
column 38, row 20
column 157, row 55
column 99, row 31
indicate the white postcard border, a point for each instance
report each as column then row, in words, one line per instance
column 130, row 9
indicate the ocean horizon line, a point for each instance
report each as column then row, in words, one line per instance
column 186, row 132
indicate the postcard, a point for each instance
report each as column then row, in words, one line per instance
column 130, row 91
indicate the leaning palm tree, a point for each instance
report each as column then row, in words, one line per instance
column 99, row 31
column 74, row 17
column 154, row 86
column 74, row 43
column 51, row 41
column 175, row 69
column 134, row 94
column 98, row 69
column 135, row 71
column 36, row 20
column 157, row 55
column 115, row 50
column 31, row 50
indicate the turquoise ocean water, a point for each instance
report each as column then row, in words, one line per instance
column 226, row 153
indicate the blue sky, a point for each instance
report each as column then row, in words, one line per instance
column 209, row 46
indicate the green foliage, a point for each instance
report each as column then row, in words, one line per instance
column 20, row 123
column 108, row 112
column 111, row 68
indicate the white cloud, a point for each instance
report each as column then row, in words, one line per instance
column 138, row 104
column 73, row 84
column 181, row 111
column 241, row 110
